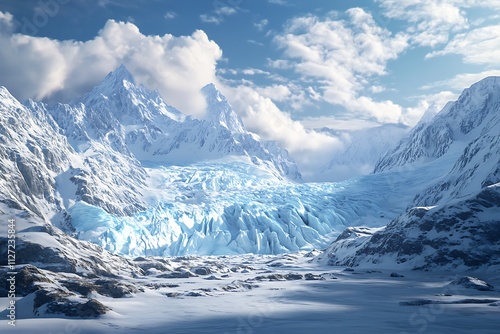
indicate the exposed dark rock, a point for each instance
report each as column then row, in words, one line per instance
column 27, row 279
column 173, row 294
column 396, row 275
column 313, row 277
column 202, row 271
column 194, row 294
column 293, row 277
column 114, row 289
column 239, row 286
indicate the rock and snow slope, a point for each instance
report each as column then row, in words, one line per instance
column 455, row 221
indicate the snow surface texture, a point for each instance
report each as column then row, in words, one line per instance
column 263, row 294
column 455, row 221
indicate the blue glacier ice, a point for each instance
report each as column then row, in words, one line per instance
column 232, row 207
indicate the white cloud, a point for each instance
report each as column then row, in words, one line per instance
column 275, row 92
column 35, row 67
column 282, row 64
column 6, row 23
column 261, row 24
column 342, row 56
column 206, row 18
column 170, row 15
column 218, row 15
column 430, row 21
column 377, row 89
column 254, row 71
column 310, row 149
column 478, row 46
column 462, row 81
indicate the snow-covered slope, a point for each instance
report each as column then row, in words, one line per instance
column 452, row 128
column 454, row 221
column 31, row 156
column 362, row 150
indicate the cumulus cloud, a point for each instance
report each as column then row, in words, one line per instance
column 343, row 55
column 430, row 21
column 310, row 149
column 42, row 68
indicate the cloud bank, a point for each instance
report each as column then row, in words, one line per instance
column 43, row 68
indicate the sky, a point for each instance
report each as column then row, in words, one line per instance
column 289, row 67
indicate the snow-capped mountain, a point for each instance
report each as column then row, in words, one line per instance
column 220, row 112
column 136, row 177
column 121, row 168
column 454, row 221
column 137, row 123
column 464, row 234
column 452, row 128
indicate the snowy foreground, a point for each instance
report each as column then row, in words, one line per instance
column 289, row 293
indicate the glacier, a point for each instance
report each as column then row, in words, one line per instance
column 121, row 168
column 233, row 207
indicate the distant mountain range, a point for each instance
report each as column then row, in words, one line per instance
column 122, row 169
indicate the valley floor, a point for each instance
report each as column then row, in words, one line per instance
column 286, row 294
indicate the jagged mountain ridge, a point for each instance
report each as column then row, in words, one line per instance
column 137, row 122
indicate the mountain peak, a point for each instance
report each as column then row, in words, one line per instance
column 119, row 75
column 219, row 111
column 116, row 81
column 212, row 93
column 7, row 99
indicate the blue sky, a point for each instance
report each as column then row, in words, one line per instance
column 287, row 66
